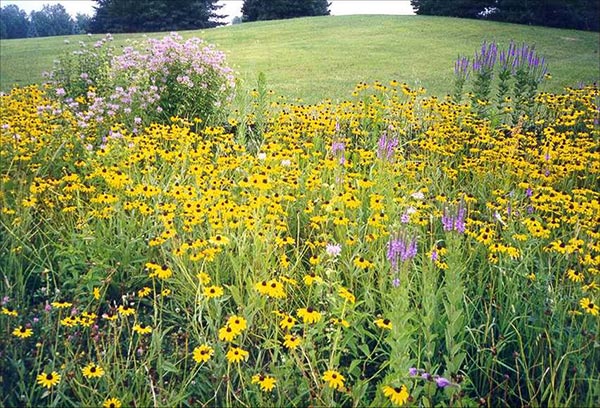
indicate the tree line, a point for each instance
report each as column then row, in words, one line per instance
column 577, row 14
column 51, row 20
column 129, row 16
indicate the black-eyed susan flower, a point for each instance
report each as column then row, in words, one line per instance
column 291, row 341
column 384, row 323
column 312, row 278
column 9, row 312
column 48, row 380
column 589, row 306
column 112, row 403
column 96, row 293
column 125, row 310
column 92, row 370
column 236, row 354
column 22, row 332
column 203, row 353
column 70, row 321
column 61, row 305
column 346, row 295
column 237, row 323
column 143, row 292
column 575, row 276
column 219, row 240
column 213, row 291
column 362, row 263
column 141, row 328
column 398, row 395
column 309, row 315
column 275, row 289
column 266, row 382
column 339, row 322
column 262, row 287
column 203, row 277
column 161, row 272
column 287, row 322
column 227, row 333
column 334, row 379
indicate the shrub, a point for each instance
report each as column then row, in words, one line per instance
column 149, row 82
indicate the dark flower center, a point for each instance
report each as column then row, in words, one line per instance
column 49, row 377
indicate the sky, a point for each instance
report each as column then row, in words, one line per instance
column 232, row 8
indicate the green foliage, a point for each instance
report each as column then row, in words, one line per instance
column 50, row 21
column 148, row 82
column 13, row 22
column 126, row 16
column 256, row 10
column 578, row 14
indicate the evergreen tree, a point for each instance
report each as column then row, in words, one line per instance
column 13, row 22
column 129, row 16
column 455, row 8
column 256, row 10
column 579, row 14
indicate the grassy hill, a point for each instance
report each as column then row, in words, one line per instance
column 324, row 57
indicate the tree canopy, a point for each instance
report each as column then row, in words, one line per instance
column 13, row 22
column 129, row 16
column 578, row 14
column 256, row 10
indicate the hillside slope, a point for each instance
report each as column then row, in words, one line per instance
column 320, row 57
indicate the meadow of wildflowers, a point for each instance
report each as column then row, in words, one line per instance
column 393, row 249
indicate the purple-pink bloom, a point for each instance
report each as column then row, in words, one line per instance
column 442, row 382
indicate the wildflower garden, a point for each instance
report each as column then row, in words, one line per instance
column 172, row 239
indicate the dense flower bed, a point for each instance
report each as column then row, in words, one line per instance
column 391, row 249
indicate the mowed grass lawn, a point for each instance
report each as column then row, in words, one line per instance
column 324, row 57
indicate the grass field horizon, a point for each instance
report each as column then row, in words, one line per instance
column 324, row 57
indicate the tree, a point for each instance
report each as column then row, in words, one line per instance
column 579, row 14
column 256, row 10
column 129, row 16
column 82, row 24
column 50, row 21
column 13, row 22
column 455, row 8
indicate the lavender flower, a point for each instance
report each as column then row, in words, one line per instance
column 386, row 147
column 401, row 249
column 333, row 250
column 442, row 382
column 454, row 220
column 339, row 149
